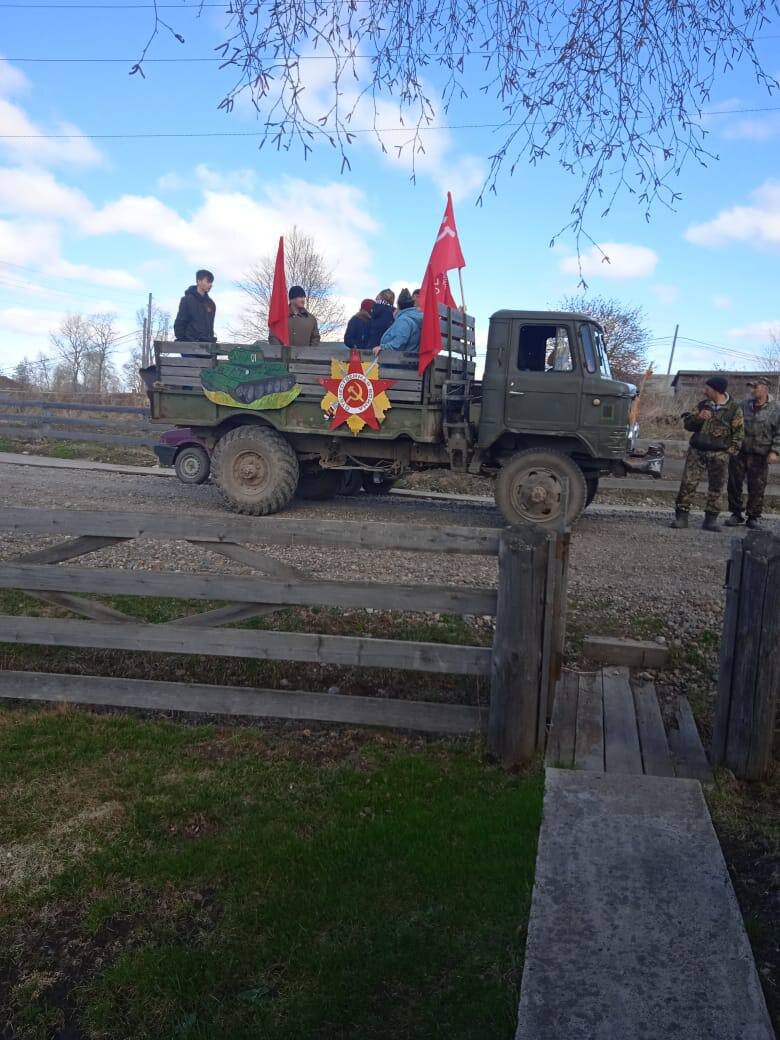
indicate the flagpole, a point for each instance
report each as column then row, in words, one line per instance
column 462, row 294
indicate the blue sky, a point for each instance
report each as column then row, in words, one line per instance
column 95, row 224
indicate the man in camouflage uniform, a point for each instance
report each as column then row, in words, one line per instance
column 717, row 426
column 760, row 449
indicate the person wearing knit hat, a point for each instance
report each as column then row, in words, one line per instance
column 718, row 428
column 760, row 450
column 382, row 315
column 356, row 336
column 302, row 325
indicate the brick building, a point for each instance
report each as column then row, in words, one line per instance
column 688, row 383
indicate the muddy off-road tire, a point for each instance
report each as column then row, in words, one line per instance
column 319, row 485
column 374, row 486
column 528, row 488
column 192, row 465
column 255, row 470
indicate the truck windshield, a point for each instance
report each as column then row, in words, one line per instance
column 593, row 334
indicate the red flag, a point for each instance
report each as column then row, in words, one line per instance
column 430, row 335
column 445, row 255
column 279, row 310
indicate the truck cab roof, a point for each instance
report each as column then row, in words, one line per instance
column 540, row 316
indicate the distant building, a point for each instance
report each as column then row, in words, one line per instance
column 9, row 384
column 688, row 383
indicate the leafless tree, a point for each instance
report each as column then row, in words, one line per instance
column 161, row 327
column 72, row 343
column 303, row 266
column 99, row 372
column 771, row 351
column 625, row 336
column 131, row 371
column 612, row 92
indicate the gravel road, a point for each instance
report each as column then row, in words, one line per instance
column 625, row 559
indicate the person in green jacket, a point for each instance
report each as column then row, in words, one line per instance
column 760, row 449
column 718, row 428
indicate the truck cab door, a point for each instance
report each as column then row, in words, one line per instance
column 543, row 381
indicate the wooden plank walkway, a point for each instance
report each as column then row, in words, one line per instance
column 603, row 722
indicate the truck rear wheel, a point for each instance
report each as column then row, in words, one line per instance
column 255, row 469
column 376, row 484
column 529, row 486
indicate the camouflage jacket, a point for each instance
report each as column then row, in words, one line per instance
column 723, row 431
column 762, row 427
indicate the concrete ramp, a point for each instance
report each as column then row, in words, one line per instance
column 635, row 932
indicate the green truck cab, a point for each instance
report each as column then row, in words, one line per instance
column 546, row 419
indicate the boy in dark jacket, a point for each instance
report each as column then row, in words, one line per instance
column 356, row 336
column 195, row 320
column 381, row 317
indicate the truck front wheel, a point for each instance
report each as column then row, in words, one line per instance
column 529, row 488
column 255, row 470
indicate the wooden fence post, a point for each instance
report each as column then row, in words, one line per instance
column 749, row 659
column 516, row 672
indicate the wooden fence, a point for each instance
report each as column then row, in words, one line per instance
column 523, row 663
column 749, row 681
column 76, row 421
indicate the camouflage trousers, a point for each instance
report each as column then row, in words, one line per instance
column 756, row 469
column 712, row 466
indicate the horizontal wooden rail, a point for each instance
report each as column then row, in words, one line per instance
column 135, row 426
column 422, row 716
column 258, row 644
column 123, row 409
column 258, row 589
column 265, row 530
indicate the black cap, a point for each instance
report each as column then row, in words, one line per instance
column 718, row 383
column 296, row 292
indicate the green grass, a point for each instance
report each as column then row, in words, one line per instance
column 244, row 883
column 92, row 451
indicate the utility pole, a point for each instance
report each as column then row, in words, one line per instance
column 148, row 360
column 144, row 346
column 671, row 356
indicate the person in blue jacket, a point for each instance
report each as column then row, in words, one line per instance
column 404, row 333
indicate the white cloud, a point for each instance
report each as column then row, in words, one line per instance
column 38, row 193
column 721, row 302
column 757, row 330
column 38, row 245
column 205, row 177
column 666, row 294
column 12, row 80
column 757, row 130
column 24, row 141
column 232, row 230
column 24, row 321
column 757, row 224
column 624, row 261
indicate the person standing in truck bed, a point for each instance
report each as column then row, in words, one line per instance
column 195, row 320
column 302, row 326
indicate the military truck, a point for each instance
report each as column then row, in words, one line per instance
column 277, row 423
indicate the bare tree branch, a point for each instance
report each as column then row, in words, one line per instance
column 625, row 336
column 304, row 266
column 611, row 91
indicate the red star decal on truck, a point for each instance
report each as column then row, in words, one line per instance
column 354, row 396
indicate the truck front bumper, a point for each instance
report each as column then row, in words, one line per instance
column 649, row 462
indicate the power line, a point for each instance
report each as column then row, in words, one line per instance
column 346, row 130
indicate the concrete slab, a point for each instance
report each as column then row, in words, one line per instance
column 635, row 931
column 635, row 653
column 10, row 458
